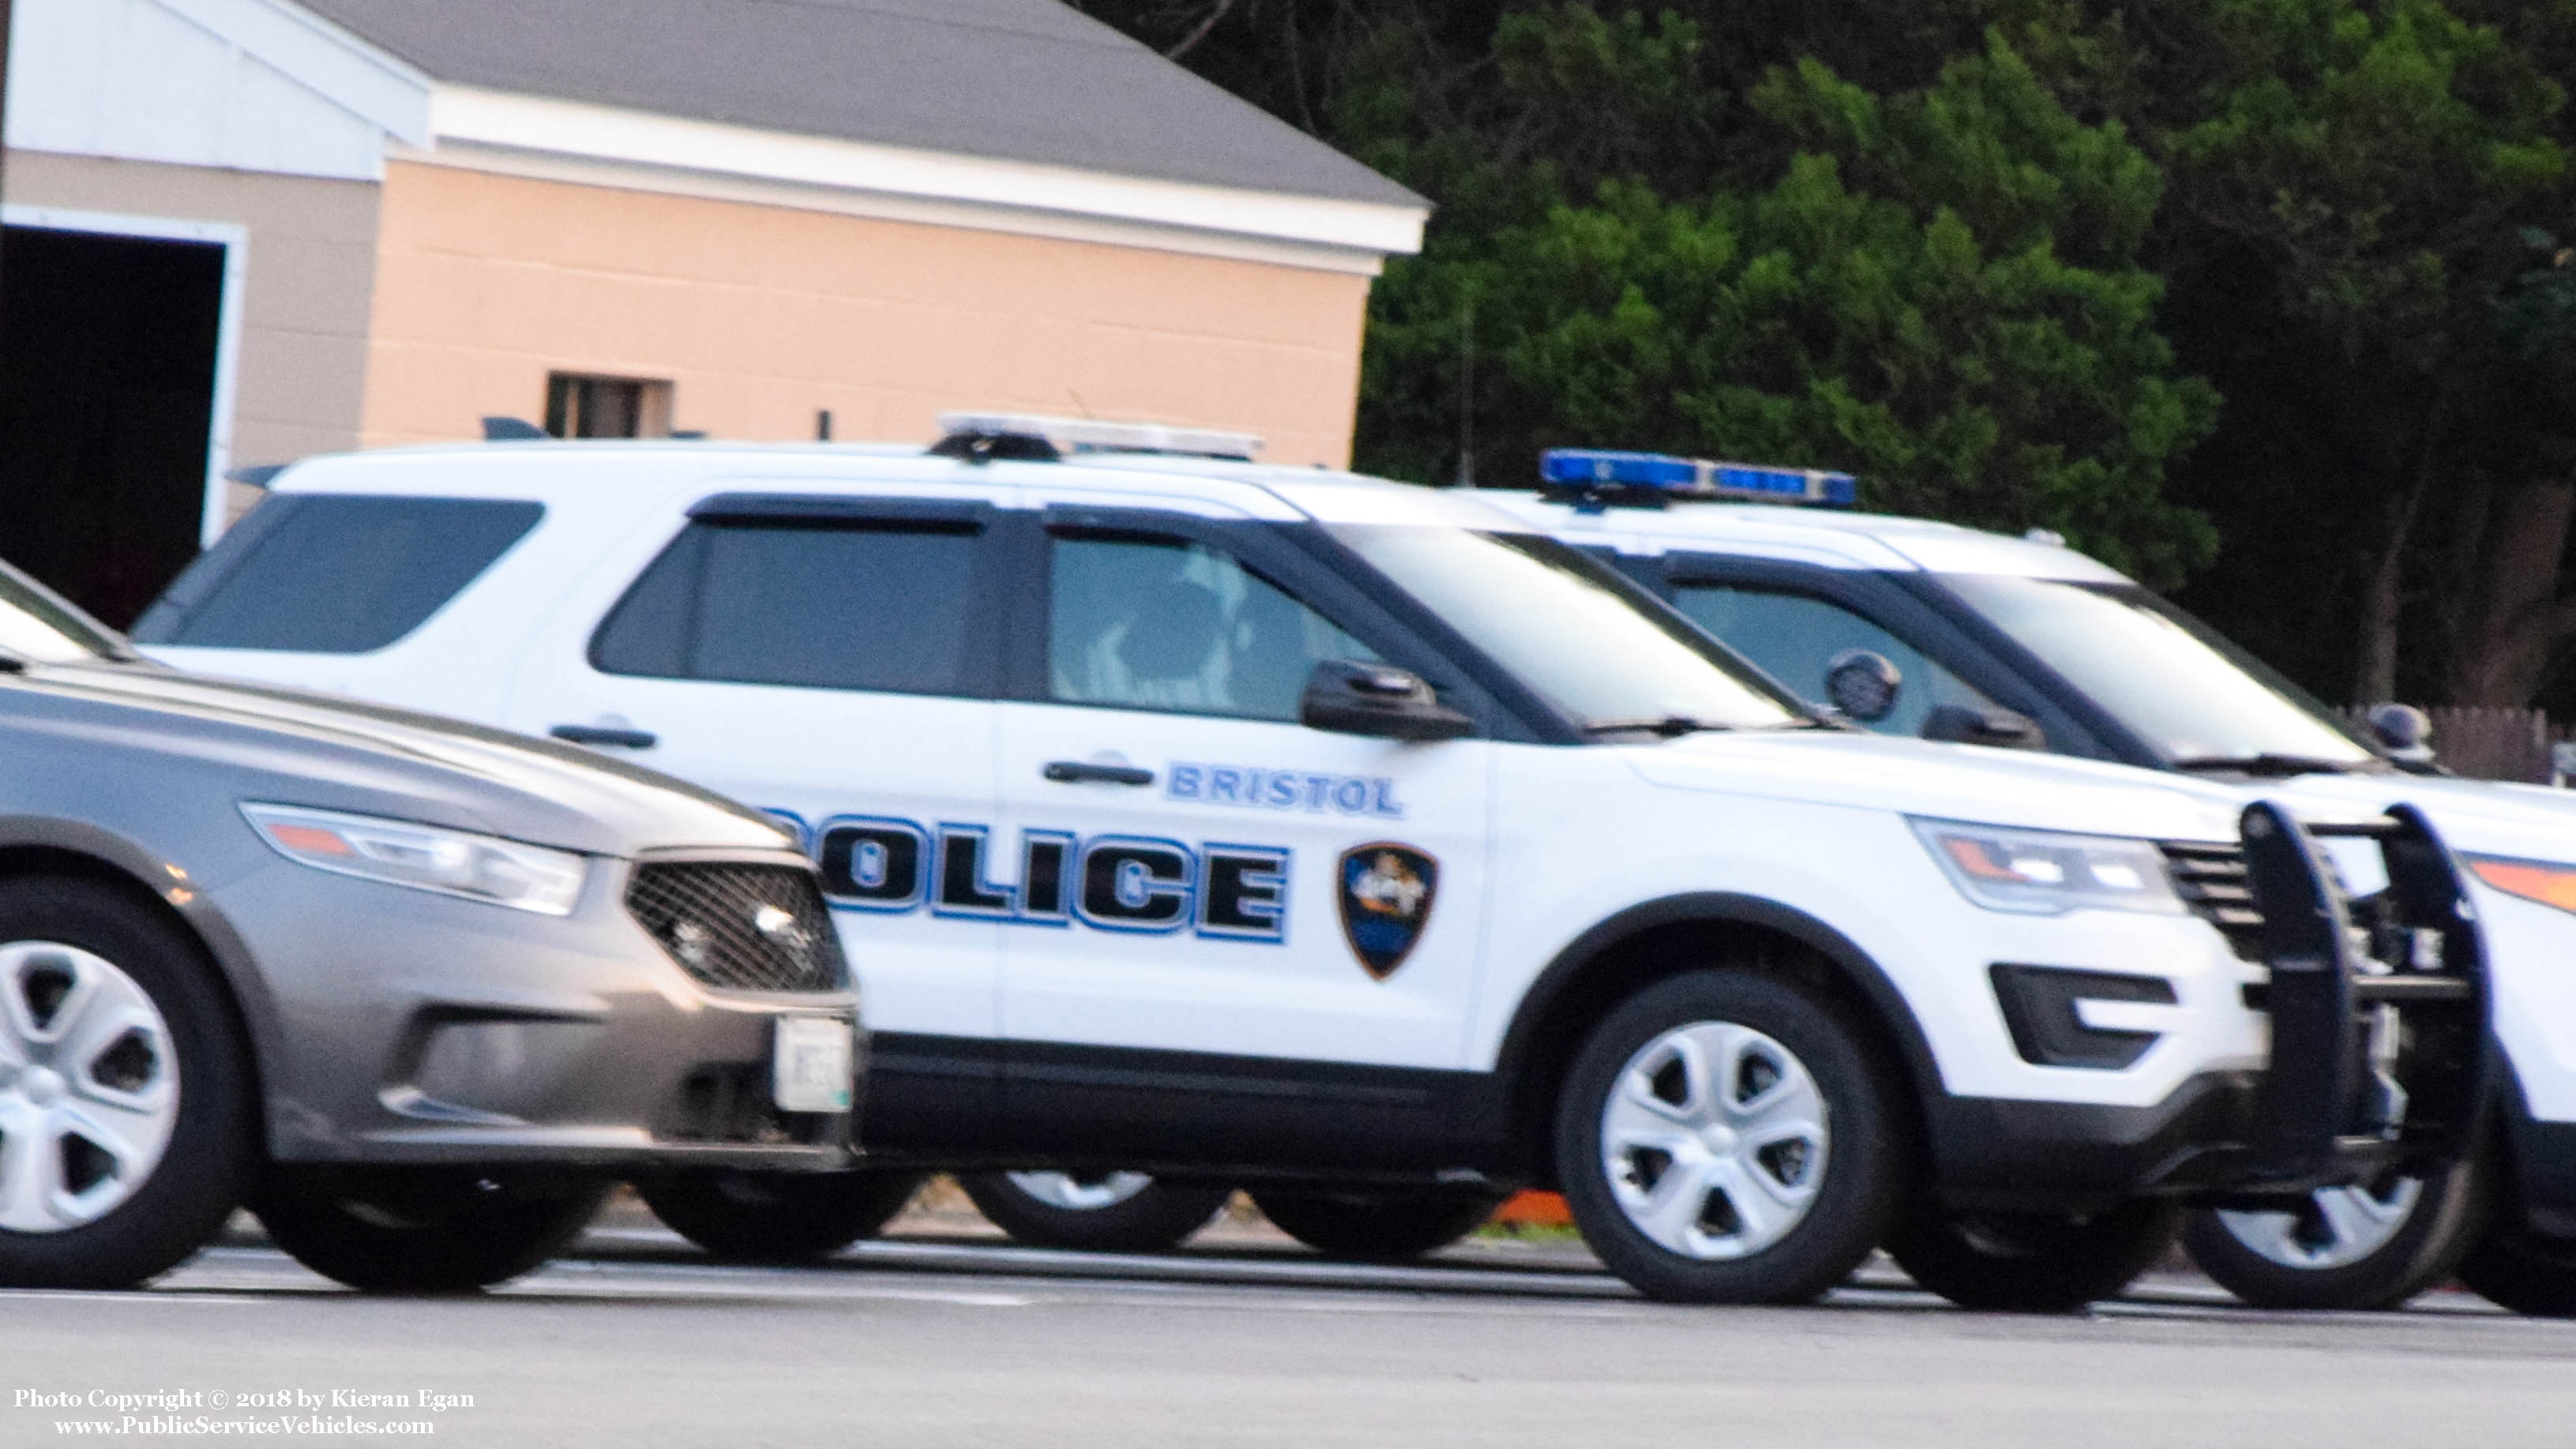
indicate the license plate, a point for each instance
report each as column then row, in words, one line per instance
column 812, row 1064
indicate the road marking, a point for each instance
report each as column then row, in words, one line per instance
column 1013, row 1277
column 163, row 1295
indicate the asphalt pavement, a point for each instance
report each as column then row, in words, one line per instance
column 948, row 1338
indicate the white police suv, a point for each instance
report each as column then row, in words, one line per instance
column 1922, row 628
column 1360, row 844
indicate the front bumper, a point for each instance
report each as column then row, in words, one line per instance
column 415, row 1028
column 2000, row 1154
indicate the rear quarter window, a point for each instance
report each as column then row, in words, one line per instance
column 323, row 573
column 887, row 605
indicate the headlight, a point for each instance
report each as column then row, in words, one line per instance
column 2043, row 873
column 2533, row 880
column 424, row 857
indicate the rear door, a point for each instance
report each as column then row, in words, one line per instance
column 832, row 660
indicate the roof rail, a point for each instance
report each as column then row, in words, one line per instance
column 1034, row 437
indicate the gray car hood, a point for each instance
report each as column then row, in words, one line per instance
column 334, row 753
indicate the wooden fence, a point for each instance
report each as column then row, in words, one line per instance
column 2493, row 744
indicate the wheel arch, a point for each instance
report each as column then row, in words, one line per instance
column 109, row 862
column 1659, row 939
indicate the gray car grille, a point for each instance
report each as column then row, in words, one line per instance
column 740, row 926
column 2211, row 880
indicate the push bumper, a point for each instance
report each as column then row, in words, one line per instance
column 2379, row 1046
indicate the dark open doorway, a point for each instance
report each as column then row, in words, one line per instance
column 107, row 381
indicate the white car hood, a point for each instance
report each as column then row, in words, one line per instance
column 1954, row 782
column 2486, row 817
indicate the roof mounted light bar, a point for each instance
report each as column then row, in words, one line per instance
column 1034, row 436
column 1600, row 477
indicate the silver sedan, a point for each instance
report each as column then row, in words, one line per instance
column 412, row 990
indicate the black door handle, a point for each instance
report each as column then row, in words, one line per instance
column 600, row 735
column 1077, row 772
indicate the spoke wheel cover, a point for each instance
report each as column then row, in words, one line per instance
column 2337, row 1227
column 89, row 1087
column 1714, row 1140
column 1080, row 1194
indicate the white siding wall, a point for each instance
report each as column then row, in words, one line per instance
column 246, row 85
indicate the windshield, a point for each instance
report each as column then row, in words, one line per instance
column 2174, row 682
column 1572, row 630
column 38, row 626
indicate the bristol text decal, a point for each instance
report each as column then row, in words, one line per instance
column 1134, row 883
column 1307, row 790
column 1385, row 893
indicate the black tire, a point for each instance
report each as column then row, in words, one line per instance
column 212, row 1150
column 2032, row 1262
column 1375, row 1225
column 2513, row 1267
column 1867, row 1156
column 2439, row 1228
column 423, row 1229
column 1154, row 1218
column 778, row 1217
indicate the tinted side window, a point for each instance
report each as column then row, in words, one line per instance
column 1793, row 636
column 847, row 605
column 1153, row 623
column 322, row 573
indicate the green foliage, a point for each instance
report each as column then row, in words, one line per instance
column 1983, row 253
column 2377, row 158
column 2536, row 319
column 2347, row 185
column 1938, row 291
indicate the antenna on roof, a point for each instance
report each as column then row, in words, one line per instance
column 513, row 430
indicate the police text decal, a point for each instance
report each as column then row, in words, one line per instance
column 1133, row 883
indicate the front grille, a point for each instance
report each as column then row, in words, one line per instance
column 740, row 926
column 2211, row 880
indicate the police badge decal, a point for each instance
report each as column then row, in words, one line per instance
column 1385, row 893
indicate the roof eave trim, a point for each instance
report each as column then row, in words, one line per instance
column 476, row 118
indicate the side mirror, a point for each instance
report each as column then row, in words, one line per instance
column 2403, row 729
column 1352, row 698
column 1863, row 685
column 2000, row 728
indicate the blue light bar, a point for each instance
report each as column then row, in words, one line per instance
column 1602, row 469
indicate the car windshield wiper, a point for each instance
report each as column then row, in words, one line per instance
column 1670, row 726
column 2270, row 765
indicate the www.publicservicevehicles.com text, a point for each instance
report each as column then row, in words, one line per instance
column 188, row 1413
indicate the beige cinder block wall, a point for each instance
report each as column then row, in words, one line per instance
column 308, row 282
column 762, row 315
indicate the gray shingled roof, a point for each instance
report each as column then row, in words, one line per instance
column 1022, row 80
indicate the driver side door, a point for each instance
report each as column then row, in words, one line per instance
column 1218, row 911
